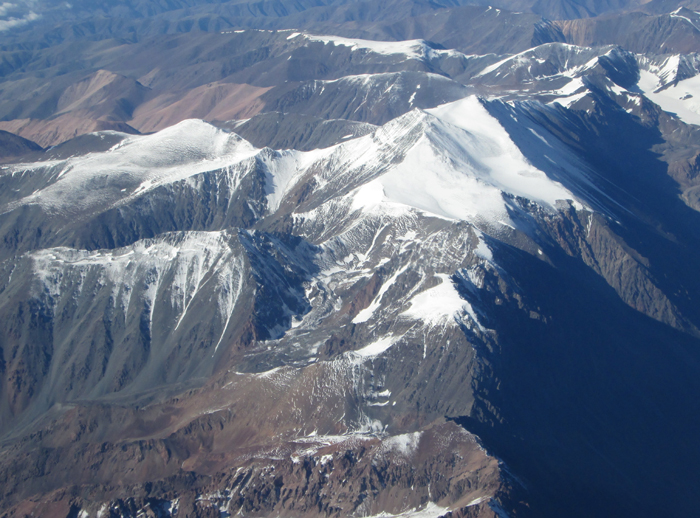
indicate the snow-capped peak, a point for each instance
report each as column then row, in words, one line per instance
column 455, row 161
column 137, row 164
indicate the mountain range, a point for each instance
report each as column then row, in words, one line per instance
column 348, row 258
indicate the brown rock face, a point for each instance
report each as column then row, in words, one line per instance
column 442, row 467
column 210, row 102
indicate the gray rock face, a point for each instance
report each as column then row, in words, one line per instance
column 13, row 147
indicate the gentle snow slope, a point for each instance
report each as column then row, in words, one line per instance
column 138, row 164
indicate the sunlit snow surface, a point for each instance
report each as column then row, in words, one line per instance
column 683, row 99
column 139, row 164
column 506, row 168
column 376, row 348
column 456, row 162
column 439, row 304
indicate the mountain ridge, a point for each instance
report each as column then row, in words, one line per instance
column 349, row 259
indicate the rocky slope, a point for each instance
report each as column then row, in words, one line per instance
column 384, row 278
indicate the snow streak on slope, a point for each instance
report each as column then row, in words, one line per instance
column 179, row 265
column 282, row 172
column 570, row 93
column 545, row 60
column 411, row 49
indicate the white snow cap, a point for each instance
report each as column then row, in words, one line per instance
column 460, row 168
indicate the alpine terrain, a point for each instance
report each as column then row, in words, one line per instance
column 349, row 258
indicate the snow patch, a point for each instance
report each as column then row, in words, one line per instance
column 431, row 510
column 411, row 49
column 683, row 99
column 377, row 348
column 368, row 312
column 482, row 249
column 439, row 304
column 477, row 501
column 405, row 444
